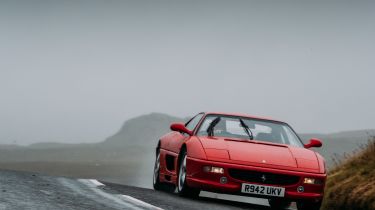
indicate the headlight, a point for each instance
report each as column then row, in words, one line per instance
column 312, row 181
column 211, row 169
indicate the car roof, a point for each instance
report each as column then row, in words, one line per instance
column 241, row 115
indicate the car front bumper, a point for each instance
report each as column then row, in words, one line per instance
column 197, row 178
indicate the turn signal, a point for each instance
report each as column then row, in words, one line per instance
column 211, row 169
column 312, row 181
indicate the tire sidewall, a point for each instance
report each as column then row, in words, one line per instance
column 156, row 177
column 181, row 159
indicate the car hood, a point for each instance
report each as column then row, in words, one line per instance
column 259, row 153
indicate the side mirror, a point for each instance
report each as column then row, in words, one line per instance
column 180, row 127
column 314, row 143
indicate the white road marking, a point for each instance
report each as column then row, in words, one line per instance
column 140, row 203
column 125, row 200
column 115, row 198
column 96, row 182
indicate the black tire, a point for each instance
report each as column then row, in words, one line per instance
column 160, row 186
column 278, row 203
column 182, row 188
column 308, row 205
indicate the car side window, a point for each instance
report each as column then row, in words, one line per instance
column 194, row 122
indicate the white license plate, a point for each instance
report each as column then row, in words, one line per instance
column 263, row 190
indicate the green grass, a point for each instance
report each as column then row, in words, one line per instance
column 351, row 185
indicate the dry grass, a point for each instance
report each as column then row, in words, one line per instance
column 351, row 184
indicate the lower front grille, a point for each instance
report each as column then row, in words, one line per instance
column 263, row 177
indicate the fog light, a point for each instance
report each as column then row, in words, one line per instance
column 211, row 169
column 300, row 189
column 223, row 180
column 312, row 181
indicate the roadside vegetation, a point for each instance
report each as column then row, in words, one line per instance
column 351, row 184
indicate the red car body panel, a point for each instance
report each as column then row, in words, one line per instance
column 237, row 154
column 255, row 152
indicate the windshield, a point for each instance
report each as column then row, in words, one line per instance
column 260, row 130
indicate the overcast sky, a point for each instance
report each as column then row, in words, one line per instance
column 74, row 70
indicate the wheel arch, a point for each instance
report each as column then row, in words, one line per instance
column 183, row 148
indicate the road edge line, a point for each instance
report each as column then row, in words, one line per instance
column 141, row 203
column 96, row 182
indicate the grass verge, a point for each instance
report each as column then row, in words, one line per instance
column 351, row 185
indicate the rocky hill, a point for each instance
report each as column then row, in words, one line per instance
column 144, row 130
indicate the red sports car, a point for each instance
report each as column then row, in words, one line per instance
column 241, row 154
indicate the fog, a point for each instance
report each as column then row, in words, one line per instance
column 74, row 71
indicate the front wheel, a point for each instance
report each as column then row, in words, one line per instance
column 308, row 205
column 160, row 186
column 182, row 187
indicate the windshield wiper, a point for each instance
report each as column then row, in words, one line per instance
column 247, row 129
column 210, row 129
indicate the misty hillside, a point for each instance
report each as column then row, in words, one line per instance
column 126, row 157
column 136, row 136
column 142, row 131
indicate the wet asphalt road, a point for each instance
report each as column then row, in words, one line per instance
column 173, row 201
column 25, row 190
